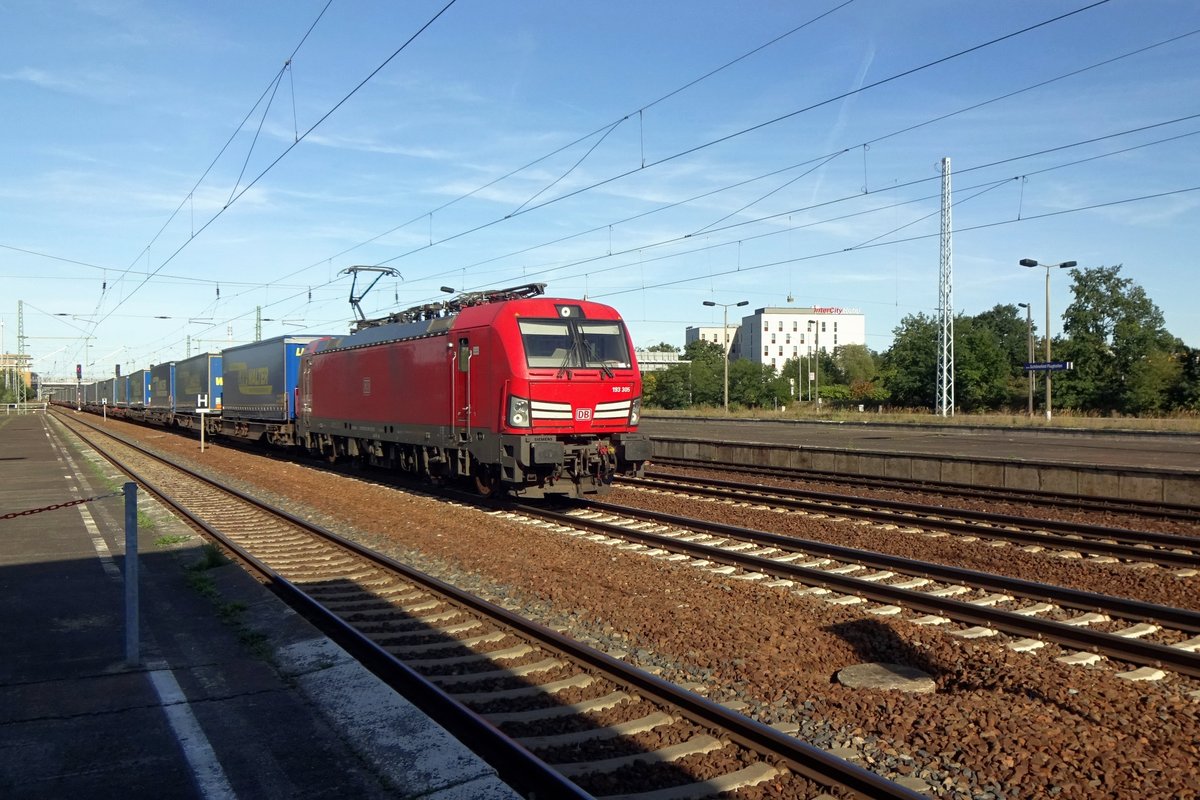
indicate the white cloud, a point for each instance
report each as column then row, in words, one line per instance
column 371, row 145
column 94, row 86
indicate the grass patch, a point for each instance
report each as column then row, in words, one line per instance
column 229, row 611
column 211, row 557
column 255, row 642
column 167, row 541
column 202, row 583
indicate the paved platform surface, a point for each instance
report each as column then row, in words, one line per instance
column 232, row 695
column 1177, row 452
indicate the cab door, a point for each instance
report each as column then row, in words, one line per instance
column 464, row 352
column 304, row 390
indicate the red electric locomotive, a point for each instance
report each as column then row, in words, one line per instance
column 521, row 393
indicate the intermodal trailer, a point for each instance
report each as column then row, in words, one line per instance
column 120, row 391
column 108, row 392
column 197, row 379
column 139, row 389
column 160, row 397
column 258, row 392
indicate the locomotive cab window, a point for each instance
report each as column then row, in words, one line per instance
column 464, row 355
column 574, row 343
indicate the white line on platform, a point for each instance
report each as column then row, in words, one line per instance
column 210, row 777
column 102, row 551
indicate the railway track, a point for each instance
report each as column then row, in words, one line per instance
column 1150, row 509
column 1150, row 636
column 554, row 717
column 1173, row 551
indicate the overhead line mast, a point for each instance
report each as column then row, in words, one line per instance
column 945, row 372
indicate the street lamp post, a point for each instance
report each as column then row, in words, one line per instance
column 815, row 328
column 1029, row 342
column 725, row 336
column 1029, row 262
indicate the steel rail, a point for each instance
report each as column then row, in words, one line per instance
column 1130, row 650
column 1163, row 510
column 513, row 762
column 983, row 523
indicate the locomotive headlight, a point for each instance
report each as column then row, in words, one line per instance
column 635, row 411
column 518, row 412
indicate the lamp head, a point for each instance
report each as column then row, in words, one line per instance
column 1068, row 264
column 709, row 303
column 744, row 303
column 1027, row 262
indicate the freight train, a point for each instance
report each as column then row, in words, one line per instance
column 506, row 388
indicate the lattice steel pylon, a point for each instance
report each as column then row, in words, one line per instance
column 21, row 396
column 945, row 370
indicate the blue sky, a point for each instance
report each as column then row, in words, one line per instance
column 646, row 155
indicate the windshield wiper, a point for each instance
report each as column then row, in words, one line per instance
column 591, row 351
column 573, row 351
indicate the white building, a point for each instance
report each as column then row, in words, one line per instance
column 773, row 335
column 657, row 361
column 712, row 333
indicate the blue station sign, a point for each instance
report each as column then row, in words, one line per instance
column 1048, row 366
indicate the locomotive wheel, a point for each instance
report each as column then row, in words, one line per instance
column 487, row 480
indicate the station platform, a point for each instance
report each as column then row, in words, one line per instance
column 229, row 694
column 1052, row 446
column 1148, row 467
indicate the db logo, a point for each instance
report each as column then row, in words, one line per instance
column 583, row 414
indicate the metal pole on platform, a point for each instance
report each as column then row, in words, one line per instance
column 727, row 342
column 1030, row 262
column 1029, row 345
column 132, row 648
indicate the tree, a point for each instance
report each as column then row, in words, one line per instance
column 705, row 352
column 755, row 385
column 1185, row 394
column 707, row 372
column 670, row 388
column 909, row 367
column 1150, row 383
column 853, row 363
column 1012, row 329
column 982, row 368
column 662, row 347
column 793, row 379
column 1008, row 324
column 1116, row 338
column 847, row 375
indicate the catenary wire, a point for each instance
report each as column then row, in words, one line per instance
column 738, row 184
column 744, row 131
column 279, row 158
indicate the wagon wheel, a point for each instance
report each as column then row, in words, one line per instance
column 487, row 480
